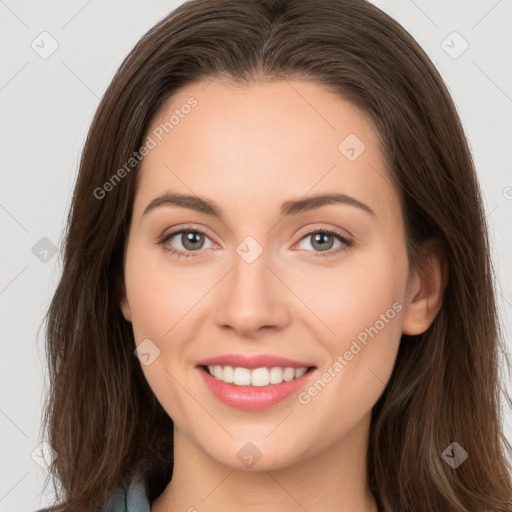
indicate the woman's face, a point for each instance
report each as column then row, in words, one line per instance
column 264, row 275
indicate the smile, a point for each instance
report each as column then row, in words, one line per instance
column 254, row 389
column 259, row 377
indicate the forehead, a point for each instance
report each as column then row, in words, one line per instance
column 259, row 144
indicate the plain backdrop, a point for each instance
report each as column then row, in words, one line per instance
column 57, row 59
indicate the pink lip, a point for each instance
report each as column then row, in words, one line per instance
column 253, row 398
column 251, row 362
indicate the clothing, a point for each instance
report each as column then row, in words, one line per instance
column 135, row 499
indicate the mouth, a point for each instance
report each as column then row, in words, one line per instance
column 254, row 389
column 256, row 377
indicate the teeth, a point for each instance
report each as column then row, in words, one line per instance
column 257, row 377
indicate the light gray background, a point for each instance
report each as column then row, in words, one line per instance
column 47, row 106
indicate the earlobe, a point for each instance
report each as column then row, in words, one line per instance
column 125, row 308
column 425, row 291
column 123, row 300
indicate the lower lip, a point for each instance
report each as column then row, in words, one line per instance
column 253, row 398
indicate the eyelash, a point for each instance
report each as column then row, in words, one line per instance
column 347, row 243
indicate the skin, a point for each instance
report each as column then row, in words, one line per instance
column 249, row 149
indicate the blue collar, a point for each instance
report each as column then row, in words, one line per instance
column 134, row 499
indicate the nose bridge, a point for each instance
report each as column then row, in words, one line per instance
column 253, row 296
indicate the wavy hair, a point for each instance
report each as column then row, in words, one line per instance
column 101, row 416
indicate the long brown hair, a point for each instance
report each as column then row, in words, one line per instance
column 103, row 419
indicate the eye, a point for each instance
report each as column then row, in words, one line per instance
column 322, row 241
column 190, row 240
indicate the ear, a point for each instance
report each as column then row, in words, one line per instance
column 425, row 289
column 121, row 297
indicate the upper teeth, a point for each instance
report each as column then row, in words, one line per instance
column 256, row 377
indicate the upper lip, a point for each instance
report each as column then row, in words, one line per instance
column 251, row 362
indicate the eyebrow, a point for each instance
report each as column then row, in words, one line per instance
column 291, row 207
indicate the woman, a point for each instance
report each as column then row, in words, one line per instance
column 332, row 339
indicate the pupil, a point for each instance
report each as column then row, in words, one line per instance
column 190, row 236
column 320, row 238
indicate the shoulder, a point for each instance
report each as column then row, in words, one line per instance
column 134, row 499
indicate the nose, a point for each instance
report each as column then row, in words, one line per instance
column 252, row 298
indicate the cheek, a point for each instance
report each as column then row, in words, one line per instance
column 360, row 305
column 159, row 297
column 158, row 294
column 353, row 295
